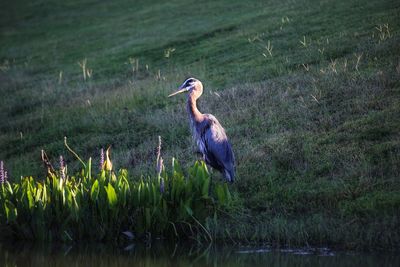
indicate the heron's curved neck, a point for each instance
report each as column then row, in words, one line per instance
column 194, row 113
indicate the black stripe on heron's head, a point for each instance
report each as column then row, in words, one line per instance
column 189, row 82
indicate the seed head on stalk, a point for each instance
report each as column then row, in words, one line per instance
column 160, row 161
column 158, row 153
column 160, row 166
column 107, row 163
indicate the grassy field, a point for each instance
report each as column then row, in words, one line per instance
column 308, row 92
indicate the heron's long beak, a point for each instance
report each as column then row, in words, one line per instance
column 185, row 89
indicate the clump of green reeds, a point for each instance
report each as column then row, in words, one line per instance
column 173, row 204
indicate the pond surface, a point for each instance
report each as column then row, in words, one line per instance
column 162, row 254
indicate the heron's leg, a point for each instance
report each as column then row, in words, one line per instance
column 199, row 154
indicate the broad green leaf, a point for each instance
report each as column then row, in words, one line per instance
column 205, row 188
column 188, row 210
column 123, row 173
column 10, row 189
column 111, row 195
column 11, row 211
column 176, row 167
column 89, row 169
column 44, row 196
column 94, row 192
column 31, row 201
column 38, row 193
column 227, row 193
column 219, row 191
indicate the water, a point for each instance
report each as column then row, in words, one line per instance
column 161, row 254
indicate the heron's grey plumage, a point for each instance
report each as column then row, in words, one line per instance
column 218, row 151
column 208, row 133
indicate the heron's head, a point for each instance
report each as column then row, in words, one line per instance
column 191, row 85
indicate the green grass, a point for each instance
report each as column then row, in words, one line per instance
column 314, row 126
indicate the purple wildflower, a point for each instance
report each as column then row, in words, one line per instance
column 62, row 167
column 1, row 172
column 101, row 158
column 5, row 176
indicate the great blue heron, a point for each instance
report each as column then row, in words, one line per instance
column 208, row 133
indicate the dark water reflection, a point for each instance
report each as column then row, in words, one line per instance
column 162, row 254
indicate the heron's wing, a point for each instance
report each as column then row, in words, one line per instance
column 218, row 150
